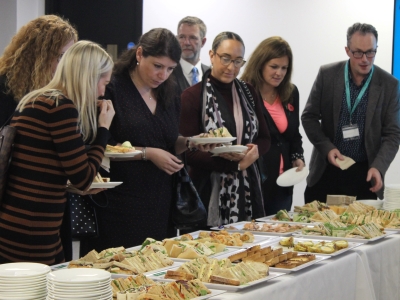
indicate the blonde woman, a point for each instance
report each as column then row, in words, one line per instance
column 53, row 124
column 30, row 60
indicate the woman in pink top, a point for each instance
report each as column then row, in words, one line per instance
column 269, row 70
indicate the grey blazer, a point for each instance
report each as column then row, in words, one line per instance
column 321, row 116
column 181, row 79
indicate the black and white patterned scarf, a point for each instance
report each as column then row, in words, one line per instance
column 234, row 194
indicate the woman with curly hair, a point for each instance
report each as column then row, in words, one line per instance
column 30, row 60
column 269, row 70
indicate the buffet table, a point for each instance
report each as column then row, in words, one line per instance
column 371, row 271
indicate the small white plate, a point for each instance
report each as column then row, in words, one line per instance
column 214, row 140
column 81, row 275
column 122, row 155
column 291, row 177
column 105, row 185
column 229, row 149
column 12, row 270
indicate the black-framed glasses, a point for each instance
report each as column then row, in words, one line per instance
column 360, row 54
column 226, row 61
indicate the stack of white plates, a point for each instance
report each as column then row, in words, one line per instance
column 69, row 284
column 23, row 281
column 392, row 197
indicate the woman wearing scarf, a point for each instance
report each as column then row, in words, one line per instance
column 228, row 184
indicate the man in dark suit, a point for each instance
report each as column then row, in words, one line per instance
column 352, row 111
column 192, row 37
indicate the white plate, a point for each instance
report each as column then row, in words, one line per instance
column 214, row 140
column 122, row 155
column 23, row 270
column 230, row 288
column 89, row 294
column 276, row 245
column 80, row 275
column 317, row 259
column 239, row 228
column 269, row 219
column 258, row 239
column 26, row 297
column 335, row 238
column 229, row 149
column 105, row 185
column 291, row 177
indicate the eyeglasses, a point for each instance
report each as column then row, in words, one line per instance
column 226, row 61
column 360, row 54
column 59, row 57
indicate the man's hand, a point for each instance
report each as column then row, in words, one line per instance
column 374, row 176
column 332, row 155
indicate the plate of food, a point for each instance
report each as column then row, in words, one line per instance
column 263, row 228
column 126, row 288
column 105, row 185
column 220, row 274
column 368, row 232
column 229, row 149
column 212, row 140
column 316, row 246
column 231, row 240
column 124, row 150
column 288, row 217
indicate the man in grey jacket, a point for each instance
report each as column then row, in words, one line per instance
column 352, row 111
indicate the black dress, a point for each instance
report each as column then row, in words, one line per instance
column 139, row 208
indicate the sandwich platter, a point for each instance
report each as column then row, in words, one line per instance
column 122, row 155
column 336, row 238
column 180, row 260
column 159, row 276
column 318, row 258
column 258, row 239
column 276, row 229
column 351, row 245
column 212, row 140
column 270, row 219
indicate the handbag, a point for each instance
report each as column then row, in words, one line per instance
column 7, row 135
column 187, row 208
column 83, row 216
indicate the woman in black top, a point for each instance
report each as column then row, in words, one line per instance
column 269, row 70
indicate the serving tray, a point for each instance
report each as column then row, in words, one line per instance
column 159, row 276
column 258, row 239
column 276, row 245
column 318, row 258
column 239, row 228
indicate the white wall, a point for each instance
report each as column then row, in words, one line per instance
column 14, row 14
column 315, row 29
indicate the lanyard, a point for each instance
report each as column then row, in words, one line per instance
column 346, row 79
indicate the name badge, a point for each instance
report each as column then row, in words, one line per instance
column 350, row 132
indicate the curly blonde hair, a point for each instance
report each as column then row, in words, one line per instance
column 27, row 60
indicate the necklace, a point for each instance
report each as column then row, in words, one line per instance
column 139, row 89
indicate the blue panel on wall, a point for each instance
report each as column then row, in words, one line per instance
column 396, row 40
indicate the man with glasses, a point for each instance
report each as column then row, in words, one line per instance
column 192, row 37
column 352, row 112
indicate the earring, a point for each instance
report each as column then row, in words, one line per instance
column 137, row 63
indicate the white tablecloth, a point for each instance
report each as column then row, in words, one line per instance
column 369, row 272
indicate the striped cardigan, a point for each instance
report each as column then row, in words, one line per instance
column 48, row 151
